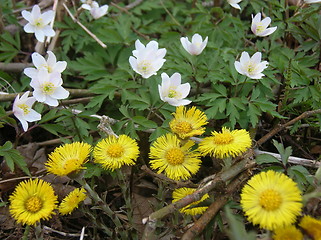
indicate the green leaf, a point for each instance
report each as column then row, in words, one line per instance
column 266, row 158
column 285, row 153
column 236, row 225
column 144, row 122
column 13, row 157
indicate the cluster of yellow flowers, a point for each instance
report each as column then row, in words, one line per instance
column 35, row 199
column 174, row 154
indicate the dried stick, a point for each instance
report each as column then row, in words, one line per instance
column 162, row 177
column 224, row 176
column 294, row 160
column 14, row 67
column 283, row 126
column 212, row 210
column 73, row 92
column 49, row 229
column 83, row 27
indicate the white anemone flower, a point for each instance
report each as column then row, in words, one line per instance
column 51, row 64
column 147, row 60
column 197, row 45
column 47, row 88
column 39, row 23
column 312, row 1
column 234, row 3
column 172, row 91
column 251, row 67
column 22, row 110
column 260, row 28
column 95, row 11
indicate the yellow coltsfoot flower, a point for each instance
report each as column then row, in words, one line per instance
column 192, row 208
column 72, row 200
column 112, row 153
column 68, row 158
column 32, row 201
column 312, row 226
column 287, row 233
column 188, row 123
column 226, row 143
column 271, row 199
column 178, row 161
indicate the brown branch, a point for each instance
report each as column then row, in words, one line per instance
column 213, row 209
column 163, row 178
column 283, row 126
column 73, row 92
column 14, row 67
column 224, row 176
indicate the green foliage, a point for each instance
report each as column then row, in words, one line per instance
column 13, row 157
column 9, row 46
column 236, row 229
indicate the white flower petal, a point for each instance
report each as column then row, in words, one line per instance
column 51, row 101
column 28, row 28
column 26, row 15
column 39, row 96
column 184, row 89
column 86, row 6
column 60, row 66
column 176, row 79
column 33, row 116
column 60, row 93
column 256, row 58
column 266, row 22
column 48, row 17
column 38, row 60
column 30, row 72
column 245, row 57
column 48, row 31
column 40, row 36
column 238, row 67
column 35, row 12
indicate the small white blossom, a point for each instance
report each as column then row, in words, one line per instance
column 312, row 1
column 260, row 28
column 95, row 11
column 22, row 110
column 147, row 60
column 39, row 23
column 172, row 91
column 51, row 64
column 47, row 88
column 196, row 46
column 234, row 3
column 251, row 67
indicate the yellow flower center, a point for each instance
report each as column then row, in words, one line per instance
column 175, row 156
column 33, row 204
column 25, row 108
column 115, row 150
column 259, row 28
column 183, row 127
column 39, row 22
column 251, row 67
column 270, row 200
column 144, row 67
column 223, row 138
column 172, row 94
column 48, row 88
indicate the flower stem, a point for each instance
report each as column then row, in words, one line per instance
column 26, row 233
column 104, row 207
